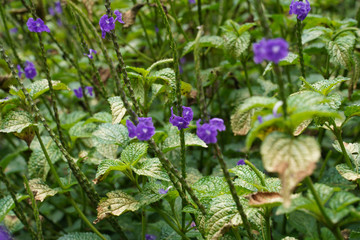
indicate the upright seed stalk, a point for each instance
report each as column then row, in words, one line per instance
column 35, row 210
column 264, row 23
column 299, row 43
column 79, row 175
column 178, row 92
column 18, row 209
column 217, row 148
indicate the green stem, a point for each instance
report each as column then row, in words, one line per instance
column 233, row 192
column 35, row 210
column 199, row 12
column 299, row 43
column 257, row 172
column 83, row 217
column 263, row 21
column 267, row 223
column 322, row 169
column 247, row 78
column 18, row 209
column 236, row 233
column 338, row 136
column 327, row 220
column 177, row 21
column 281, row 88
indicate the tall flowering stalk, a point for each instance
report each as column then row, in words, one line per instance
column 301, row 9
column 178, row 90
column 215, row 126
column 264, row 23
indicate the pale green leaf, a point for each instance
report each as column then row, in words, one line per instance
column 173, row 141
column 241, row 122
column 100, row 117
column 204, row 41
column 290, row 59
column 340, row 50
column 134, row 152
column 142, row 71
column 353, row 110
column 162, row 61
column 210, row 187
column 235, row 45
column 293, row 158
column 257, row 102
column 70, row 119
column 116, row 203
column 106, row 166
column 150, row 167
column 118, row 109
column 82, row 130
column 82, row 236
column 111, row 134
column 247, row 178
column 7, row 204
column 347, row 173
column 314, row 33
column 16, row 121
column 38, row 88
column 40, row 189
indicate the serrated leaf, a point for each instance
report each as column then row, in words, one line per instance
column 342, row 199
column 326, row 86
column 340, row 50
column 210, row 187
column 40, row 189
column 38, row 88
column 69, row 120
column 116, row 203
column 352, row 150
column 7, row 204
column 111, row 134
column 247, row 178
column 235, row 44
column 142, row 71
column 82, row 236
column 204, row 41
column 162, row 61
column 173, row 141
column 351, row 111
column 150, row 167
column 257, row 102
column 134, row 152
column 290, row 59
column 16, row 121
column 347, row 173
column 293, row 158
column 241, row 122
column 82, row 130
column 314, row 33
column 118, row 109
column 108, row 165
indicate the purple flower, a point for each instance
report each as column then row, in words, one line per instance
column 13, row 30
column 260, row 119
column 4, row 234
column 37, row 26
column 51, row 11
column 206, row 132
column 79, row 92
column 106, row 24
column 143, row 131
column 58, row 8
column 91, row 51
column 272, row 50
column 276, row 108
column 192, row 224
column 241, row 162
column 29, row 70
column 182, row 122
column 218, row 124
column 59, row 22
column 150, row 237
column 164, row 191
column 301, row 9
column 156, row 29
column 118, row 16
column 192, row 1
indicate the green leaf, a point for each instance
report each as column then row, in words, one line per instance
column 293, row 158
column 108, row 165
column 353, row 110
column 162, row 61
column 257, row 102
column 352, row 150
column 241, row 122
column 173, row 141
column 311, row 34
column 340, row 50
column 235, row 45
column 117, row 109
column 247, row 178
column 116, row 203
column 7, row 204
column 16, row 121
column 204, row 41
column 304, row 224
column 134, row 152
column 40, row 189
column 290, row 59
column 142, row 71
column 326, row 86
column 108, row 133
column 347, row 173
column 38, row 88
column 69, row 120
column 150, row 167
column 324, row 191
column 82, row 130
column 100, row 117
column 342, row 199
column 82, row 236
column 210, row 187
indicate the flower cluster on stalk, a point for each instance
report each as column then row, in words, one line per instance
column 184, row 121
column 107, row 23
column 37, row 25
column 29, row 70
column 79, row 91
column 144, row 130
column 208, row 131
column 272, row 50
column 300, row 8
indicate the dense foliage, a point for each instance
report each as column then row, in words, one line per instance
column 231, row 119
